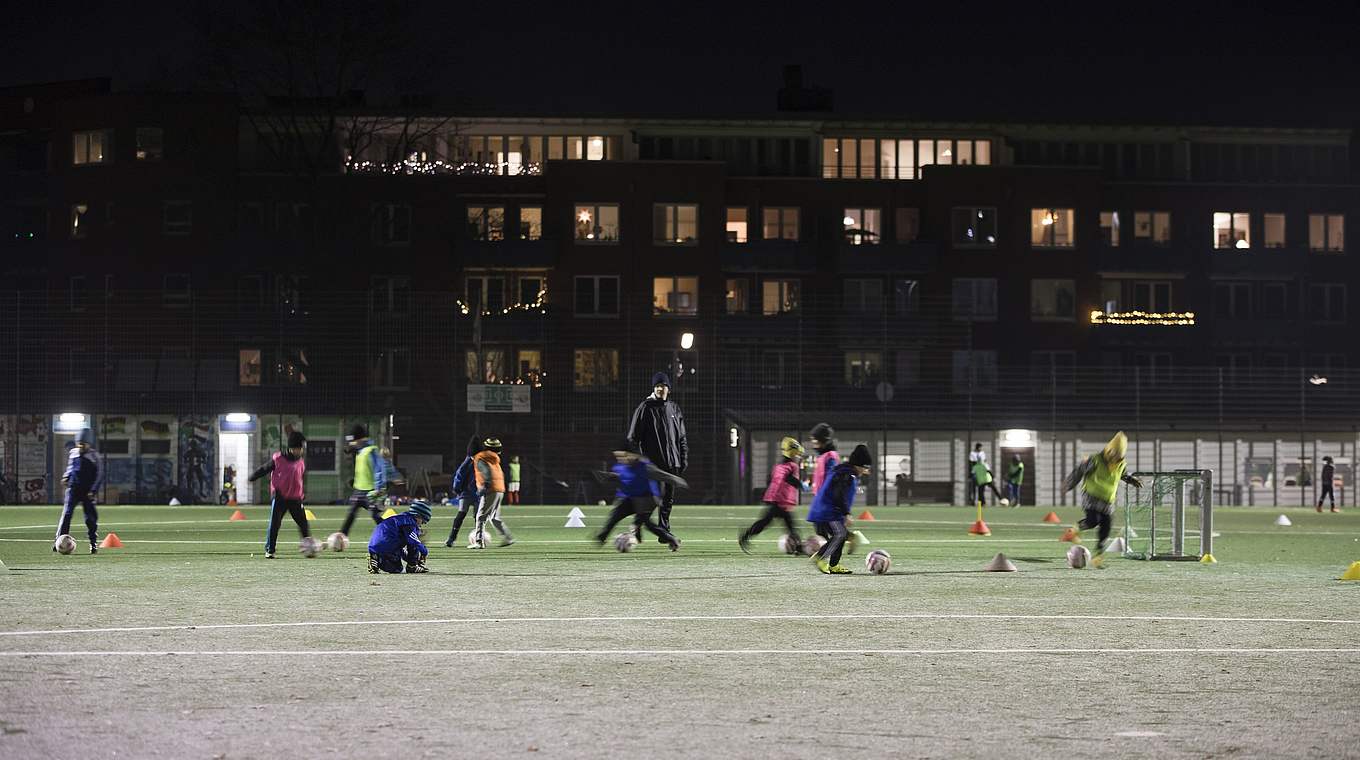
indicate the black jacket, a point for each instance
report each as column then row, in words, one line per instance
column 658, row 429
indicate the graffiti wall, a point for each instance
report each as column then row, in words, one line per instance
column 26, row 464
column 197, row 460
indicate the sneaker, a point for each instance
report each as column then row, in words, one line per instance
column 1319, row 508
column 1336, row 509
column 448, row 544
column 674, row 544
column 94, row 548
column 744, row 542
column 822, row 565
column 417, row 569
column 269, row 555
column 840, row 570
column 507, row 541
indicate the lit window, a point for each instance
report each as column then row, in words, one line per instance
column 831, row 158
column 779, row 297
column 91, row 147
column 1326, row 232
column 737, row 227
column 80, row 216
column 737, row 295
column 1152, row 225
column 675, row 296
column 925, row 152
column 849, row 161
column 595, row 368
column 974, row 299
column 391, row 224
column 944, row 152
column 1050, row 227
column 1052, row 300
column 177, row 218
column 780, row 223
column 887, row 159
column 1232, row 229
column 974, row 227
column 1109, row 228
column 530, row 222
column 529, row 365
column 862, row 226
column 486, row 223
column 597, row 223
column 1273, row 225
column 249, row 367
column 150, row 143
column 675, row 224
column 862, row 368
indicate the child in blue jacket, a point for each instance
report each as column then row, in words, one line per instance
column 82, row 479
column 637, row 494
column 397, row 540
column 830, row 510
column 464, row 488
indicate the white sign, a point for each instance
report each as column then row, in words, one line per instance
column 498, row 398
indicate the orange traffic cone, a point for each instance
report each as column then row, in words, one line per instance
column 237, row 515
column 1052, row 517
column 979, row 528
column 866, row 516
column 111, row 541
column 1071, row 535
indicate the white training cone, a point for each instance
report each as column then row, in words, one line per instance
column 1000, row 564
column 576, row 512
column 1283, row 521
column 174, row 502
column 1118, row 546
column 574, row 522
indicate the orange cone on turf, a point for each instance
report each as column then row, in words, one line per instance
column 111, row 541
column 237, row 515
column 866, row 516
column 979, row 528
column 1071, row 535
column 1052, row 517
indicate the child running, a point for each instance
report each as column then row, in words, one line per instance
column 286, row 470
column 830, row 511
column 370, row 477
column 824, row 443
column 465, row 489
column 1099, row 476
column 396, row 540
column 637, row 493
column 781, row 495
column 490, row 491
column 82, row 479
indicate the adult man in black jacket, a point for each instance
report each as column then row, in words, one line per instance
column 658, row 430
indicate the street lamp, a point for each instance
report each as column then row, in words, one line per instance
column 687, row 341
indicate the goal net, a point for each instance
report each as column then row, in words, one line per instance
column 1170, row 517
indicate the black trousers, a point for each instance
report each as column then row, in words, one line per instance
column 640, row 509
column 392, row 563
column 773, row 512
column 1096, row 518
column 359, row 500
column 465, row 505
column 835, row 534
column 277, row 508
column 68, row 509
column 982, row 493
column 1327, row 494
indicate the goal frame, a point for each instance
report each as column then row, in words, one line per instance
column 1176, row 550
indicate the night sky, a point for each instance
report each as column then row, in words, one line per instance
column 1206, row 63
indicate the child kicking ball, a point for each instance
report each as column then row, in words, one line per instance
column 830, row 511
column 1099, row 476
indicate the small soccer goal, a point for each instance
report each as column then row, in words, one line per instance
column 1171, row 509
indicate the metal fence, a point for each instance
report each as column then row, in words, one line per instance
column 179, row 383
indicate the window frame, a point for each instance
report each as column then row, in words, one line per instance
column 81, row 157
column 1152, row 216
column 177, row 229
column 1232, row 230
column 862, row 356
column 1327, row 225
column 386, row 224
column 745, row 222
column 973, row 212
column 594, row 210
column 480, row 228
column 575, row 359
column 670, row 220
column 1034, row 316
column 972, row 315
column 782, row 214
column 146, row 155
column 1265, row 230
column 1049, row 231
column 864, row 214
column 784, row 286
column 597, row 280
column 740, row 303
column 675, row 280
column 1109, row 233
column 530, row 230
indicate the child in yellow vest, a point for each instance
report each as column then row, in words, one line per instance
column 490, row 490
column 1099, row 476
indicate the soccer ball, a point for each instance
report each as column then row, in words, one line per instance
column 65, row 544
column 1005, row 502
column 877, row 562
column 309, row 547
column 337, row 542
column 625, row 542
column 813, row 543
column 790, row 545
column 1078, row 556
column 474, row 543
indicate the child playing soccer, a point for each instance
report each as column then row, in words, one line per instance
column 370, row 477
column 1099, row 476
column 1328, row 476
column 465, row 488
column 830, row 511
column 286, row 470
column 638, row 494
column 824, row 442
column 781, row 495
column 82, row 478
column 396, row 540
column 512, row 489
column 1014, row 477
column 982, row 478
column 490, row 491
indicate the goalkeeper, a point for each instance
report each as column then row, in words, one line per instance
column 1099, row 477
column 370, row 477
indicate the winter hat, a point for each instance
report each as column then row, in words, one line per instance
column 822, row 432
column 860, row 456
column 421, row 509
column 1328, row 460
column 357, row 432
column 85, row 436
column 661, row 378
column 493, row 443
column 296, row 440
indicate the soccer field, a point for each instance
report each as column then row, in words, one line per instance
column 188, row 643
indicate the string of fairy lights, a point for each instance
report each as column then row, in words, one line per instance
column 1168, row 318
column 417, row 164
column 538, row 304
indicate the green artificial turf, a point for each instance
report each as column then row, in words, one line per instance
column 554, row 645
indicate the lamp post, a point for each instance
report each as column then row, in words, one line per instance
column 1315, row 381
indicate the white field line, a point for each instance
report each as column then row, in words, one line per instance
column 668, row 652
column 692, row 618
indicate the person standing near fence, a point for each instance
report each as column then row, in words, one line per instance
column 1328, row 474
column 512, row 488
column 83, row 475
column 657, row 431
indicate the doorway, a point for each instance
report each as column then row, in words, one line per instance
column 234, row 451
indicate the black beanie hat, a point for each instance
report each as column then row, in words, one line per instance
column 296, row 440
column 357, row 432
column 661, row 378
column 822, row 432
column 860, row 456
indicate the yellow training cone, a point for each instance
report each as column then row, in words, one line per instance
column 389, row 513
column 309, row 514
column 1352, row 573
column 1208, row 559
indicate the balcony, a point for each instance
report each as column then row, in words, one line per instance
column 536, row 254
column 888, row 257
column 769, row 256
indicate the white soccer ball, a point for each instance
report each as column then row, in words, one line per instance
column 1005, row 502
column 337, row 542
column 1078, row 557
column 485, row 537
column 790, row 545
column 813, row 543
column 309, row 547
column 625, row 542
column 877, row 562
column 65, row 544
